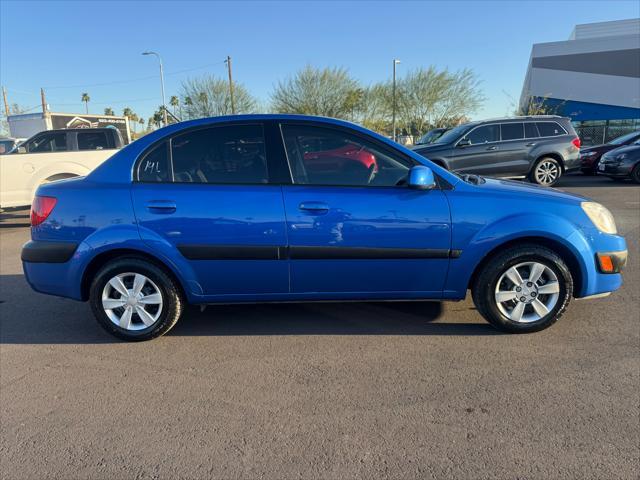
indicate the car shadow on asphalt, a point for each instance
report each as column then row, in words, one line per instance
column 27, row 317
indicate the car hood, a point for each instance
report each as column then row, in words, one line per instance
column 597, row 148
column 625, row 149
column 431, row 148
column 496, row 185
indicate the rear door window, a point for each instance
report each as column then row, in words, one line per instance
column 92, row 141
column 512, row 131
column 550, row 129
column 232, row 154
column 484, row 134
column 530, row 130
column 154, row 166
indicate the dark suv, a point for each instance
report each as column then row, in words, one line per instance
column 540, row 148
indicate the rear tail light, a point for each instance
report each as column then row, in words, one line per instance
column 576, row 142
column 41, row 208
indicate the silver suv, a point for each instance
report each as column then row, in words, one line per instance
column 540, row 148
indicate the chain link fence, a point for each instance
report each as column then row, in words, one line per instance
column 596, row 133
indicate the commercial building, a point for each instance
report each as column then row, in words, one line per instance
column 593, row 78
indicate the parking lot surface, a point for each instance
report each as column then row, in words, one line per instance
column 399, row 390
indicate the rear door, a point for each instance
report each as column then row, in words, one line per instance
column 209, row 194
column 513, row 150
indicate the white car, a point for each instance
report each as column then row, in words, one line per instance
column 53, row 155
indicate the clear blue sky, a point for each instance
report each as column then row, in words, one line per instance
column 79, row 44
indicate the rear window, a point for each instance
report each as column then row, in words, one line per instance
column 512, row 131
column 550, row 129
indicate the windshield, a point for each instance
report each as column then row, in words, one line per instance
column 624, row 138
column 430, row 136
column 453, row 134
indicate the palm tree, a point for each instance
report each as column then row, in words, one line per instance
column 85, row 98
column 174, row 102
column 109, row 111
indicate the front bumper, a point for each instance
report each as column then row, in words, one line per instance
column 618, row 169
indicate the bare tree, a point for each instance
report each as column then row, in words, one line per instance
column 330, row 92
column 208, row 96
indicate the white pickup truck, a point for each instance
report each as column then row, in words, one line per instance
column 53, row 155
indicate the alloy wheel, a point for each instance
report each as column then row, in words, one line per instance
column 527, row 292
column 132, row 301
column 547, row 172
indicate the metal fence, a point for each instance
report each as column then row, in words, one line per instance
column 596, row 133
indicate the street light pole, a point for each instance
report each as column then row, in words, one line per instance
column 164, row 104
column 395, row 62
column 233, row 104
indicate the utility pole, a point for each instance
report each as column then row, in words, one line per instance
column 6, row 102
column 44, row 102
column 233, row 104
column 395, row 62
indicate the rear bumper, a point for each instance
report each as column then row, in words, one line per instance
column 49, row 267
column 571, row 164
column 48, row 252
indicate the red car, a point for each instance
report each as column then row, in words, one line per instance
column 350, row 160
column 589, row 157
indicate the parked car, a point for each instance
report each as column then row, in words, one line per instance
column 622, row 163
column 590, row 156
column 431, row 136
column 229, row 209
column 8, row 144
column 53, row 155
column 540, row 148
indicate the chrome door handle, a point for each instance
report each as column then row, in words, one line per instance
column 532, row 144
column 493, row 147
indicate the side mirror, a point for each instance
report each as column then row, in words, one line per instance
column 421, row 178
column 464, row 142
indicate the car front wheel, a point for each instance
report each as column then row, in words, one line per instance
column 134, row 299
column 523, row 289
column 546, row 172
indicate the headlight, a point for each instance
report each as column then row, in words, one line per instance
column 600, row 216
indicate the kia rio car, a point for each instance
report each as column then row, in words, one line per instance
column 254, row 209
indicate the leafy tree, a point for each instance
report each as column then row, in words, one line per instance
column 428, row 98
column 329, row 92
column 86, row 98
column 208, row 96
column 109, row 111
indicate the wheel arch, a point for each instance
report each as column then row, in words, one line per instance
column 102, row 258
column 562, row 250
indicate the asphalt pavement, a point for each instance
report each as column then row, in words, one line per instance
column 369, row 390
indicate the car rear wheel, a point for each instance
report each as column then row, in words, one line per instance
column 134, row 299
column 523, row 289
column 635, row 174
column 546, row 172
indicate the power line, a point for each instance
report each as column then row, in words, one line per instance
column 132, row 80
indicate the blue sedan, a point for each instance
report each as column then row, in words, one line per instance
column 282, row 208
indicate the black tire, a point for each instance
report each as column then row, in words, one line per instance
column 545, row 162
column 172, row 302
column 635, row 173
column 484, row 287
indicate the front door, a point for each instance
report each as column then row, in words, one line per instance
column 479, row 151
column 352, row 224
column 206, row 196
